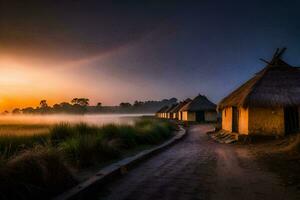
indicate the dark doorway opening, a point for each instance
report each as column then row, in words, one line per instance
column 200, row 116
column 291, row 120
column 235, row 119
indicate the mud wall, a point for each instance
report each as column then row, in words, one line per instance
column 266, row 121
column 243, row 120
column 227, row 119
column 188, row 116
column 210, row 116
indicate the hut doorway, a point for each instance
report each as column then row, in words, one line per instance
column 235, row 119
column 291, row 120
column 200, row 116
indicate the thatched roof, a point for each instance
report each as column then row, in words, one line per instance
column 199, row 103
column 171, row 108
column 163, row 109
column 180, row 105
column 278, row 84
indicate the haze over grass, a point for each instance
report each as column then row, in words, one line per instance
column 40, row 165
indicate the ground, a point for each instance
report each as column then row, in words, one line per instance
column 281, row 156
column 199, row 168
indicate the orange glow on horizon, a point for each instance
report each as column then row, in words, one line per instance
column 27, row 78
column 23, row 86
column 24, row 82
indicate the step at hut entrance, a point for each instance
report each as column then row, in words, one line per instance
column 291, row 120
column 235, row 119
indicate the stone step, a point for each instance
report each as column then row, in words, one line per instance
column 222, row 136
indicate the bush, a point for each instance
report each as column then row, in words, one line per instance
column 124, row 133
column 60, row 132
column 80, row 150
column 110, row 131
column 87, row 145
column 85, row 129
column 86, row 150
column 10, row 145
column 38, row 171
column 153, row 131
column 128, row 137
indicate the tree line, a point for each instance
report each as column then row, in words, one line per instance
column 82, row 106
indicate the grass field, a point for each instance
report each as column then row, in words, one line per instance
column 24, row 129
column 41, row 157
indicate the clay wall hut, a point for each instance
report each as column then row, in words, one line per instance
column 267, row 104
column 174, row 111
column 180, row 113
column 160, row 112
column 200, row 109
column 164, row 113
column 169, row 113
column 172, row 114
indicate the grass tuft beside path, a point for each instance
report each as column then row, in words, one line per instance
column 40, row 164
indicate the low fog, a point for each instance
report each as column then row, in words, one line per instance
column 93, row 119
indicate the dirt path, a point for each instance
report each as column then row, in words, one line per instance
column 197, row 168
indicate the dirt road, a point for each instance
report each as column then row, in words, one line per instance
column 198, row 168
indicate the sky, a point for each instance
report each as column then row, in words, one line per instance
column 121, row 51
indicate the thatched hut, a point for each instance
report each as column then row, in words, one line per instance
column 160, row 112
column 169, row 113
column 200, row 109
column 173, row 114
column 176, row 111
column 267, row 104
column 165, row 114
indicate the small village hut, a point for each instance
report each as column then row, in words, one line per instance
column 160, row 112
column 200, row 109
column 180, row 113
column 169, row 113
column 267, row 104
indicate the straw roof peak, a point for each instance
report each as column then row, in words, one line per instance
column 171, row 108
column 162, row 109
column 277, row 60
column 199, row 103
column 278, row 84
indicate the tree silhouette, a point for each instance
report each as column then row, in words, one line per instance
column 5, row 112
column 28, row 110
column 80, row 101
column 16, row 111
column 43, row 104
column 125, row 105
column 81, row 106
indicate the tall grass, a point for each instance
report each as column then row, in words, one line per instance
column 39, row 161
column 10, row 145
column 85, row 145
column 35, row 173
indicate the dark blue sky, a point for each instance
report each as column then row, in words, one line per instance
column 122, row 51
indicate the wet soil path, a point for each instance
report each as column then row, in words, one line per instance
column 197, row 168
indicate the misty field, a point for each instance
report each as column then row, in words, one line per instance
column 27, row 125
column 43, row 157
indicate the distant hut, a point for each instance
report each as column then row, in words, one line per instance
column 200, row 109
column 160, row 112
column 176, row 111
column 169, row 113
column 267, row 104
column 164, row 113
